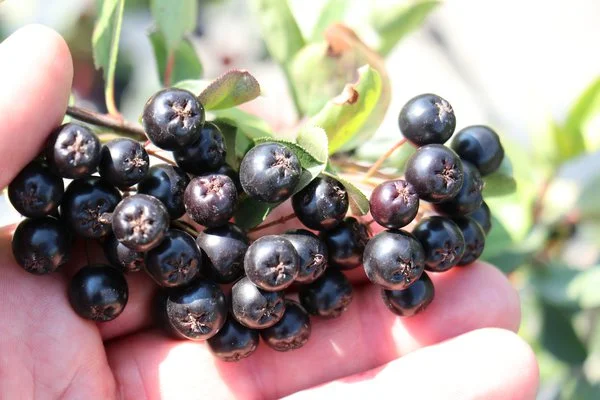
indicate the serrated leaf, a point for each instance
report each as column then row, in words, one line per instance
column 314, row 140
column 174, row 19
column 185, row 63
column 583, row 121
column 394, row 23
column 333, row 11
column 501, row 182
column 359, row 202
column 195, row 86
column 231, row 89
column 343, row 116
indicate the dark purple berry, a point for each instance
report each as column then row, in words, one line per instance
column 312, row 252
column 206, row 154
column 211, row 200
column 223, row 249
column 173, row 118
column 73, row 151
column 394, row 204
column 123, row 162
column 140, row 222
column 272, row 263
column 234, row 341
column 254, row 307
column 394, row 259
column 36, row 191
column 329, row 296
column 269, row 172
column 346, row 243
column 226, row 169
column 412, row 300
column 291, row 332
column 98, row 293
column 435, row 172
column 121, row 256
column 167, row 183
column 481, row 146
column 483, row 216
column 41, row 245
column 442, row 241
column 469, row 197
column 322, row 204
column 427, row 119
column 474, row 239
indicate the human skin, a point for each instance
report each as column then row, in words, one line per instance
column 463, row 346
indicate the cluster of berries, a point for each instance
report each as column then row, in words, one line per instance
column 141, row 214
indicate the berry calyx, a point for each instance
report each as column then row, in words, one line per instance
column 272, row 263
column 254, row 307
column 210, row 200
column 394, row 204
column 36, row 191
column 412, row 300
column 312, row 252
column 73, row 151
column 481, row 146
column 427, row 119
column 442, row 241
column 322, row 204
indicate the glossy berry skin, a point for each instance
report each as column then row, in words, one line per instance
column 210, row 200
column 254, row 307
column 272, row 263
column 291, row 332
column 474, row 239
column 322, row 204
column 121, row 256
column 140, row 222
column 41, row 245
column 167, row 183
column 412, row 300
column 329, row 296
column 269, row 172
column 123, row 162
column 73, row 151
column 226, row 169
column 468, row 198
column 234, row 341
column 85, row 205
column 394, row 204
column 435, row 172
column 206, row 154
column 312, row 252
column 172, row 118
column 98, row 293
column 483, row 216
column 223, row 249
column 481, row 146
column 346, row 243
column 195, row 312
column 176, row 261
column 394, row 259
column 427, row 119
column 36, row 191
column 442, row 241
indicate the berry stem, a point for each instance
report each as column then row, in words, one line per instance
column 381, row 159
column 107, row 121
column 155, row 154
column 273, row 223
column 184, row 226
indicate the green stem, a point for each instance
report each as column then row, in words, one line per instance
column 109, row 92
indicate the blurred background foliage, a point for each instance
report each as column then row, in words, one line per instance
column 539, row 88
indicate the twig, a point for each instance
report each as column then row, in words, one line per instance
column 273, row 223
column 381, row 159
column 107, row 121
column 185, row 227
column 155, row 154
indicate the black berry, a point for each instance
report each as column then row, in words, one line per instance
column 226, row 169
column 272, row 263
column 269, row 172
column 322, row 204
column 173, row 118
column 98, row 293
column 123, row 162
column 483, row 216
column 140, row 222
column 206, row 154
column 73, row 151
column 86, row 205
column 481, row 146
column 211, row 200
column 442, row 241
column 394, row 204
column 291, row 332
column 234, row 341
column 412, row 300
column 312, row 252
column 121, row 256
column 36, row 191
column 223, row 249
column 435, row 172
column 176, row 261
column 469, row 196
column 167, row 183
column 474, row 239
column 329, row 296
column 254, row 307
column 394, row 259
column 346, row 243
column 41, row 245
column 427, row 119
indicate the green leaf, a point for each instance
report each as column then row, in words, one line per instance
column 501, row 182
column 569, row 289
column 588, row 199
column 186, row 64
column 394, row 23
column 195, row 86
column 231, row 89
column 559, row 337
column 252, row 126
column 333, row 11
column 229, row 134
column 314, row 140
column 343, row 116
column 359, row 202
column 174, row 19
column 251, row 213
column 583, row 121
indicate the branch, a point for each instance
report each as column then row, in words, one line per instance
column 91, row 117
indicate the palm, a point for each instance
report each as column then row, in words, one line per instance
column 48, row 352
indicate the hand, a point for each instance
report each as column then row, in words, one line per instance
column 462, row 347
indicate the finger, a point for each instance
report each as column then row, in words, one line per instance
column 484, row 364
column 35, row 77
column 366, row 336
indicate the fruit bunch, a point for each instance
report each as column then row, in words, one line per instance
column 173, row 221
